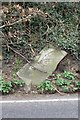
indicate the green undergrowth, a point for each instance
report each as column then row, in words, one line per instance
column 46, row 87
column 65, row 82
column 10, row 86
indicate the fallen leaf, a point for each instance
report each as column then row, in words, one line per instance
column 0, row 57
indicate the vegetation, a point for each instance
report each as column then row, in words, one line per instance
column 28, row 27
column 46, row 87
column 64, row 82
column 10, row 86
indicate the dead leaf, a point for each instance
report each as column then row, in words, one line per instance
column 10, row 35
column 18, row 7
column 23, row 13
column 30, row 11
column 0, row 57
column 5, row 9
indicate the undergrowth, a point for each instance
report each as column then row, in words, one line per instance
column 10, row 86
column 64, row 82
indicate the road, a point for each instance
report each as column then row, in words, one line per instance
column 44, row 109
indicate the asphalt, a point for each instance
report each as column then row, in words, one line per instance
column 40, row 106
column 62, row 109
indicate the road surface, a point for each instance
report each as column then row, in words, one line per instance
column 37, row 109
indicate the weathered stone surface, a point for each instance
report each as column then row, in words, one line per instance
column 46, row 61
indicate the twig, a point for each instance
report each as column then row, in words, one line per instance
column 48, row 30
column 32, row 49
column 59, row 91
column 26, row 59
column 27, row 17
column 20, row 20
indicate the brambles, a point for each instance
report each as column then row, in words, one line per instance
column 55, row 23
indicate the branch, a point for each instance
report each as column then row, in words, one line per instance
column 48, row 30
column 32, row 49
column 26, row 59
column 27, row 17
column 20, row 20
column 59, row 92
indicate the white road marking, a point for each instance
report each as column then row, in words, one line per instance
column 33, row 101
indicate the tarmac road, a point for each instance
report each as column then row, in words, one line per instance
column 40, row 109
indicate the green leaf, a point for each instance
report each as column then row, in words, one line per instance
column 60, row 81
column 65, row 89
column 69, row 75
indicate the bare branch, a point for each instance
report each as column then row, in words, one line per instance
column 27, row 17
column 20, row 20
column 59, row 92
column 26, row 59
